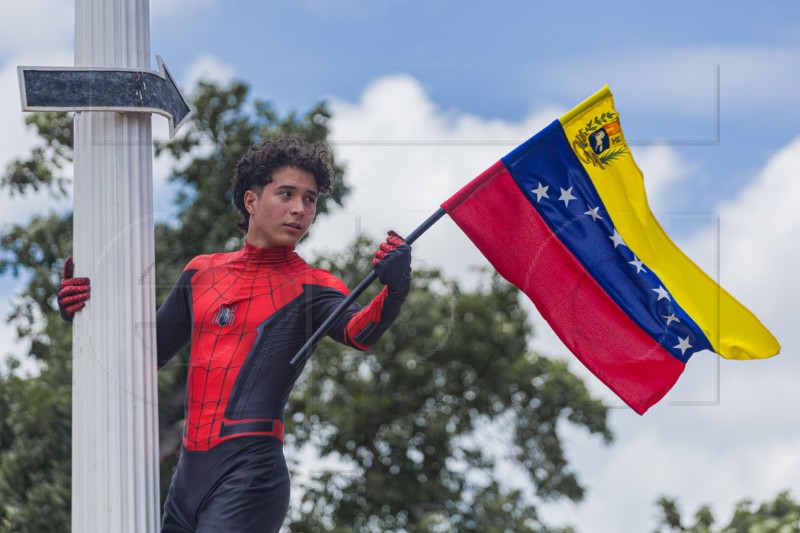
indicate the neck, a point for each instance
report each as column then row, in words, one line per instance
column 269, row 252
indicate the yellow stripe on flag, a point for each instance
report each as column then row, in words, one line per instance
column 593, row 130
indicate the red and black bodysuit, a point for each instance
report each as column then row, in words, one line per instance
column 247, row 313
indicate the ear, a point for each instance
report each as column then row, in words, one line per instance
column 250, row 200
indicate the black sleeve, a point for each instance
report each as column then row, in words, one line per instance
column 174, row 319
column 359, row 326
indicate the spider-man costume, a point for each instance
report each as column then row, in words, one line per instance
column 247, row 314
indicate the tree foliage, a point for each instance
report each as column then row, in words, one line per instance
column 416, row 420
column 35, row 412
column 42, row 169
column 782, row 515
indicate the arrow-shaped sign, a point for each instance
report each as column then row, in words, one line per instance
column 104, row 89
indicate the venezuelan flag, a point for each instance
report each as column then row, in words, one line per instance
column 564, row 217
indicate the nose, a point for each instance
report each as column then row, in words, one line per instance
column 297, row 206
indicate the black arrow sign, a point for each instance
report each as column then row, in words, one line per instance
column 104, row 89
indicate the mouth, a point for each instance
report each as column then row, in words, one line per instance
column 295, row 226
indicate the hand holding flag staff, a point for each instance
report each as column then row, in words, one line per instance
column 564, row 217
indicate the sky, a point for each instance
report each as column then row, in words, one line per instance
column 426, row 95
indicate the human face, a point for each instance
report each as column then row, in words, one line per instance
column 284, row 210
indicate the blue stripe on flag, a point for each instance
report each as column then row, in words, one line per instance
column 552, row 178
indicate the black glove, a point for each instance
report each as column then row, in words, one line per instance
column 74, row 292
column 393, row 264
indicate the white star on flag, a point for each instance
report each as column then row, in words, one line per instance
column 671, row 318
column 683, row 345
column 662, row 293
column 594, row 213
column 541, row 191
column 566, row 196
column 617, row 239
column 638, row 264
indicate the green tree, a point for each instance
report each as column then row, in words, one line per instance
column 408, row 417
column 782, row 515
column 35, row 412
column 34, row 456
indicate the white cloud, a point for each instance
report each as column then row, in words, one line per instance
column 16, row 140
column 648, row 461
column 758, row 230
column 404, row 157
column 664, row 169
column 42, row 36
column 36, row 27
column 207, row 67
column 683, row 81
column 14, row 137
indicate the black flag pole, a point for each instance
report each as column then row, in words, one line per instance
column 305, row 352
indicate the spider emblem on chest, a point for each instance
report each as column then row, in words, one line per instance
column 224, row 317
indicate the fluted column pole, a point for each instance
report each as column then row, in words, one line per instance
column 115, row 485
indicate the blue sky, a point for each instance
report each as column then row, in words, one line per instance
column 684, row 73
column 428, row 94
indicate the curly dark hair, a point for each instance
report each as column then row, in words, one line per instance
column 257, row 166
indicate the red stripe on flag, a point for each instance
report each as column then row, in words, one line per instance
column 508, row 230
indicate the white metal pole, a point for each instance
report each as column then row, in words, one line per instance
column 115, row 474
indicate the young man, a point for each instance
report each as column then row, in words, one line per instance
column 247, row 313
